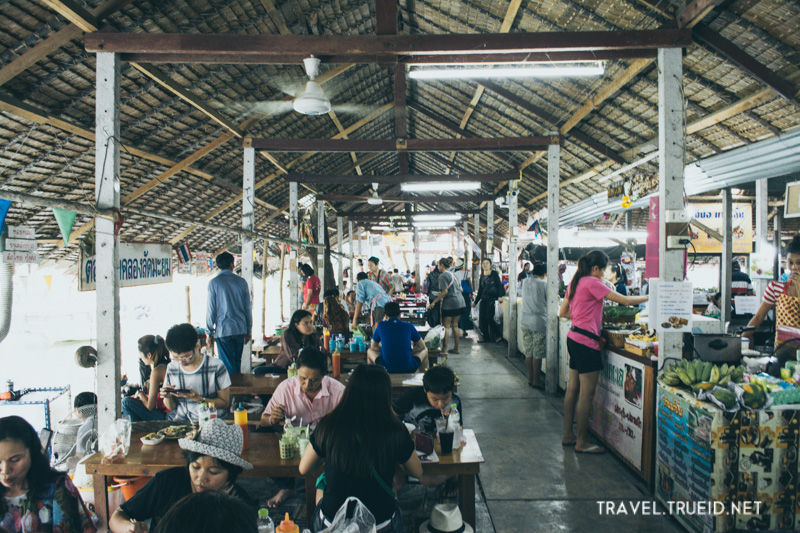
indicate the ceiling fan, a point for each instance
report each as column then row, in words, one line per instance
column 308, row 98
column 374, row 199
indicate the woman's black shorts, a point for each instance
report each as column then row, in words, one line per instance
column 582, row 358
column 453, row 312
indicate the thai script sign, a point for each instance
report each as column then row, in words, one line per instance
column 139, row 264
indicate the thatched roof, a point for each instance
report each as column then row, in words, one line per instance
column 48, row 104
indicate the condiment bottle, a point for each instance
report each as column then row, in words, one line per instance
column 240, row 419
column 287, row 526
column 326, row 336
column 336, row 362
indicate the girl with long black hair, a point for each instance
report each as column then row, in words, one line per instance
column 361, row 442
column 584, row 305
column 153, row 361
column 300, row 334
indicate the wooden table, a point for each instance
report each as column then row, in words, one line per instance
column 266, row 384
column 264, row 455
column 433, row 355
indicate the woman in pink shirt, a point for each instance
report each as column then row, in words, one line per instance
column 309, row 396
column 584, row 306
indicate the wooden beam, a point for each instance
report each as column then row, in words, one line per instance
column 694, row 11
column 386, row 17
column 404, row 214
column 472, row 144
column 411, row 199
column 551, row 120
column 399, row 178
column 608, row 90
column 276, row 17
column 746, row 62
column 73, row 12
column 55, row 42
column 391, row 59
column 185, row 45
column 400, row 121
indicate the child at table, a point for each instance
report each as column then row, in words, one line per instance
column 422, row 406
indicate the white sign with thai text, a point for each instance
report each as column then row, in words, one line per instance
column 139, row 264
column 20, row 245
column 21, row 232
column 21, row 257
column 675, row 305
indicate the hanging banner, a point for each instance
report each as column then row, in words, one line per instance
column 139, row 264
column 651, row 250
column 21, row 245
column 21, row 257
column 65, row 221
column 21, row 232
column 711, row 216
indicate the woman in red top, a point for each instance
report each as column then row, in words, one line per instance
column 311, row 289
column 781, row 294
column 584, row 306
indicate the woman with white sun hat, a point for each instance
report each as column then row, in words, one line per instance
column 213, row 461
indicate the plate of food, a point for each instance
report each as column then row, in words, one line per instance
column 151, row 439
column 175, row 432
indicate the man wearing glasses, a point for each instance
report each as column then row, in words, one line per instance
column 193, row 377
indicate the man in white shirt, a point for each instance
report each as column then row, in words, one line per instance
column 398, row 281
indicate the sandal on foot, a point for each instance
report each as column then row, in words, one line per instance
column 596, row 450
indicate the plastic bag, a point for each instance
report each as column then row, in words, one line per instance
column 498, row 312
column 475, row 314
column 360, row 520
column 433, row 340
column 115, row 441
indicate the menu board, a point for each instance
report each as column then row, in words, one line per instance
column 710, row 215
column 617, row 408
column 675, row 299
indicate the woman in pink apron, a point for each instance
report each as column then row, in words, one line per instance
column 785, row 297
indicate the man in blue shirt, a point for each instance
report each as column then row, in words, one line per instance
column 230, row 316
column 391, row 345
column 373, row 296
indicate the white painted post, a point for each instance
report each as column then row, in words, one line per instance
column 294, row 235
column 248, row 245
column 352, row 252
column 726, row 258
column 321, row 240
column 490, row 230
column 340, row 259
column 553, row 181
column 670, row 165
column 465, row 245
column 107, row 256
column 417, row 273
column 513, row 240
column 359, row 229
column 762, row 223
column 476, row 236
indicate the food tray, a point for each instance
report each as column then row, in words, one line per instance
column 617, row 337
column 636, row 350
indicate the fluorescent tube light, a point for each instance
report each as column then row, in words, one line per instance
column 422, row 218
column 434, row 224
column 441, row 186
column 524, row 70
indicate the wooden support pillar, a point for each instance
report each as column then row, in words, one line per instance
column 264, row 290
column 776, row 241
column 671, row 168
column 726, row 258
column 248, row 244
column 513, row 240
column 553, row 182
column 340, row 257
column 294, row 234
column 107, row 186
column 762, row 223
column 321, row 240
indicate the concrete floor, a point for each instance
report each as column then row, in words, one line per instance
column 529, row 482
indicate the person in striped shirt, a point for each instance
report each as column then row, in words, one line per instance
column 381, row 277
column 776, row 289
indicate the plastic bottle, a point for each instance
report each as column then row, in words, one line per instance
column 326, row 336
column 203, row 416
column 240, row 419
column 287, row 526
column 336, row 363
column 265, row 523
column 455, row 420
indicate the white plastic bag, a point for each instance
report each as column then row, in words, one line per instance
column 361, row 519
column 115, row 441
column 433, row 340
column 498, row 312
column 475, row 314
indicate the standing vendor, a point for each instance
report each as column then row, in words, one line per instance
column 784, row 295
